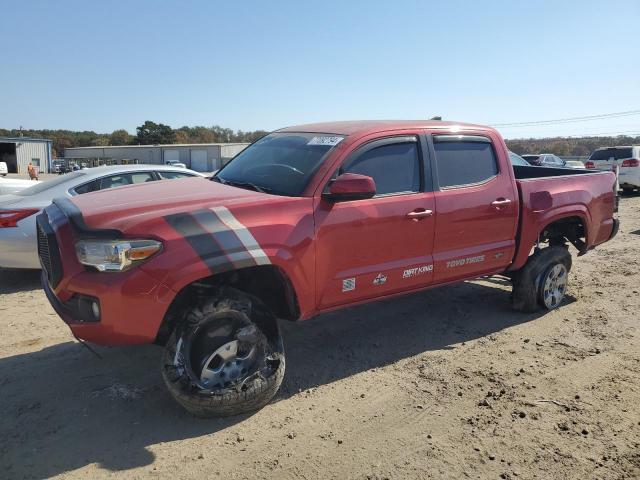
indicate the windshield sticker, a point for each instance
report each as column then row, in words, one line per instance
column 327, row 141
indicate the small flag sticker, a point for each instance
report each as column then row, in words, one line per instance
column 348, row 284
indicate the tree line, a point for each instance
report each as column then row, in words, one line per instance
column 150, row 133
column 573, row 146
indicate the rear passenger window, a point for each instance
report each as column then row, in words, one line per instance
column 395, row 168
column 172, row 175
column 125, row 179
column 87, row 187
column 462, row 162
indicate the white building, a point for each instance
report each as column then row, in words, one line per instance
column 202, row 157
column 17, row 152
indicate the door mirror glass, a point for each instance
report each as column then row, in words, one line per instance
column 350, row 186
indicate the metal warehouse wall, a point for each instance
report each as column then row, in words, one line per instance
column 201, row 157
column 230, row 151
column 187, row 156
column 149, row 154
column 27, row 151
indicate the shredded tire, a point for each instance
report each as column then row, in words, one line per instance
column 526, row 281
column 249, row 393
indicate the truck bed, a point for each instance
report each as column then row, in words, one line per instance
column 547, row 194
column 523, row 173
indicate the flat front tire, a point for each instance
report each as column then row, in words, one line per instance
column 226, row 357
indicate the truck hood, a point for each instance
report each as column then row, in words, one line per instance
column 123, row 207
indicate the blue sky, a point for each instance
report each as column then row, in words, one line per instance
column 248, row 65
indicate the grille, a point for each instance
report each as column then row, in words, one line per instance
column 48, row 250
column 43, row 251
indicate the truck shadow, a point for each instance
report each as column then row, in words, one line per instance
column 63, row 408
column 19, row 280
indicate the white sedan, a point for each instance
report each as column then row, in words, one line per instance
column 18, row 241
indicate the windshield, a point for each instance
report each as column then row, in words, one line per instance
column 616, row 153
column 280, row 163
column 518, row 160
column 41, row 187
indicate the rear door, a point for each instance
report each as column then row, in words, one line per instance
column 476, row 207
column 382, row 245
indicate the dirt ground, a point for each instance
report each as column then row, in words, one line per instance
column 449, row 383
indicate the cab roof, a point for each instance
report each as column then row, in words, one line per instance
column 363, row 127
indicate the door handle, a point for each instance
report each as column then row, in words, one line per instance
column 418, row 214
column 501, row 202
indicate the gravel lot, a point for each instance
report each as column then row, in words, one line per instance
column 448, row 383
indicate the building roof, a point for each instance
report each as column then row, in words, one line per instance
column 23, row 139
column 163, row 145
column 371, row 126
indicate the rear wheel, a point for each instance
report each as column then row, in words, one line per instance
column 542, row 282
column 553, row 285
column 226, row 358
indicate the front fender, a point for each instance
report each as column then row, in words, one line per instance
column 208, row 242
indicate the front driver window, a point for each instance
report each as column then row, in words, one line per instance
column 395, row 167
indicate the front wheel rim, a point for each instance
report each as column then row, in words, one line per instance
column 554, row 286
column 227, row 364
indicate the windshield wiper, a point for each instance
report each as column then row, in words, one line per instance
column 249, row 185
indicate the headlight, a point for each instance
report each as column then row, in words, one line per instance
column 115, row 255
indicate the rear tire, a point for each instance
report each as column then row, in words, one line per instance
column 226, row 357
column 541, row 283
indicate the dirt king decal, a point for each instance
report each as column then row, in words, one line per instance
column 412, row 272
column 219, row 239
column 465, row 261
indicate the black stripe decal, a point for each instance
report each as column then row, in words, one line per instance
column 227, row 239
column 200, row 240
column 217, row 245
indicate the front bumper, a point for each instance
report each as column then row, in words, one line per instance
column 130, row 310
column 131, row 305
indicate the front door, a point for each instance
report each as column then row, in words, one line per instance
column 382, row 245
column 477, row 208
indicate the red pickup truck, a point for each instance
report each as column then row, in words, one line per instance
column 306, row 220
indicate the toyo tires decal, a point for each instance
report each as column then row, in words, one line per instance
column 219, row 239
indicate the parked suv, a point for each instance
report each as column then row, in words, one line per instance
column 626, row 158
column 545, row 160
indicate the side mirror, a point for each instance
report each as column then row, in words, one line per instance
column 350, row 186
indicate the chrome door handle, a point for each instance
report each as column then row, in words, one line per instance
column 501, row 203
column 415, row 215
